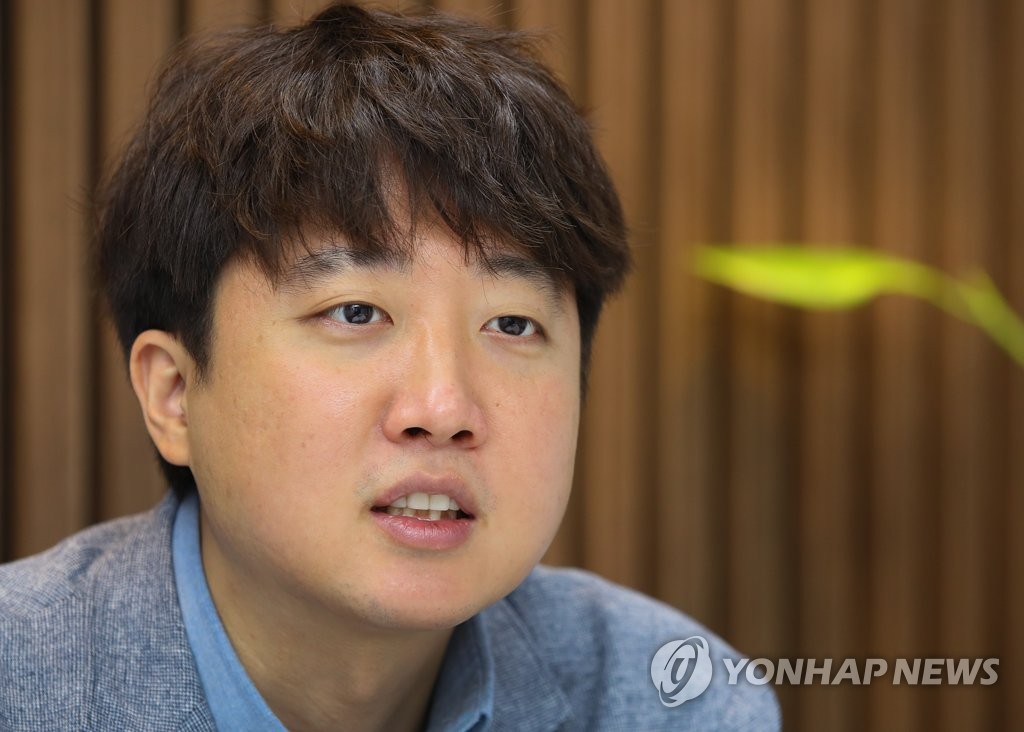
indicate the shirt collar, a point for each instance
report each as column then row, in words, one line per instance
column 464, row 693
column 527, row 693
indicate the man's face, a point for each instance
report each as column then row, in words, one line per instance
column 349, row 388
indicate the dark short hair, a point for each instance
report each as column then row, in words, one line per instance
column 255, row 137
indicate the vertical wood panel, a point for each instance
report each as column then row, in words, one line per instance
column 831, row 478
column 759, row 422
column 969, row 476
column 617, row 438
column 51, row 374
column 560, row 25
column 902, row 502
column 5, row 273
column 1010, row 115
column 135, row 38
column 291, row 12
column 206, row 15
column 492, row 12
column 693, row 178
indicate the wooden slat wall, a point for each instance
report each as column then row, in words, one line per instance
column 49, row 375
column 1008, row 606
column 830, row 462
column 969, row 550
column 904, row 451
column 617, row 439
column 690, row 524
column 761, row 408
column 808, row 485
column 5, row 265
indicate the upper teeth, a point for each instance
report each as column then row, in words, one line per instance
column 426, row 502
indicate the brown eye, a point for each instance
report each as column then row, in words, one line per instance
column 513, row 325
column 357, row 313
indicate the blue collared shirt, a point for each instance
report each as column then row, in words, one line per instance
column 463, row 696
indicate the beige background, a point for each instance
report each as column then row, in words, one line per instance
column 806, row 484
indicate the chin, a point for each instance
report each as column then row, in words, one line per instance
column 394, row 616
column 438, row 606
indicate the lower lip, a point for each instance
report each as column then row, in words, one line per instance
column 423, row 534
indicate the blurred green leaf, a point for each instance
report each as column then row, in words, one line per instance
column 833, row 278
column 814, row 278
column 989, row 311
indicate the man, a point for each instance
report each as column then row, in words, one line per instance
column 356, row 267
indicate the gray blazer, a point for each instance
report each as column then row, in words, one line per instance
column 92, row 638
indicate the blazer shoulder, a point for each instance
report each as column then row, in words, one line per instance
column 602, row 639
column 91, row 636
column 68, row 569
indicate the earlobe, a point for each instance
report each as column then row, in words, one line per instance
column 160, row 368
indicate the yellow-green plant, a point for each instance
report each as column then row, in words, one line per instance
column 832, row 278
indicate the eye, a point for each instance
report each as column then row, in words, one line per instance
column 513, row 325
column 357, row 313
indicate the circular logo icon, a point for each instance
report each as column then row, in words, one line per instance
column 681, row 670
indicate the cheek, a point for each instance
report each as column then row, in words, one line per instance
column 278, row 425
column 540, row 434
column 277, row 448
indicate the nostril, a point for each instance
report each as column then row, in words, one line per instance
column 460, row 436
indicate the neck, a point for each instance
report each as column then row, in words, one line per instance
column 321, row 671
column 366, row 685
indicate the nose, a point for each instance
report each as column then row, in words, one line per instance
column 434, row 398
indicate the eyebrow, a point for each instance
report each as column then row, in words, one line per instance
column 315, row 268
column 516, row 267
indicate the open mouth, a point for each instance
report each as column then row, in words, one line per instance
column 424, row 506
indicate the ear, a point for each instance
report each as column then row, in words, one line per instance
column 161, row 369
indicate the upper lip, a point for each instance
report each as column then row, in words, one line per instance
column 449, row 485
